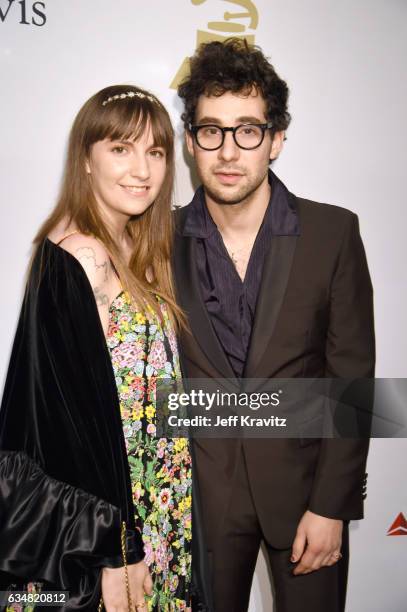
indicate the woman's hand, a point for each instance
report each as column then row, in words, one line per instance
column 114, row 590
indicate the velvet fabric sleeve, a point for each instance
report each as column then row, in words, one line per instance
column 64, row 478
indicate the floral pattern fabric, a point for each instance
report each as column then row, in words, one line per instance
column 143, row 351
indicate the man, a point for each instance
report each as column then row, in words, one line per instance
column 273, row 286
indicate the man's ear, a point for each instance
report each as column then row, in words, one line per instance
column 190, row 143
column 277, row 144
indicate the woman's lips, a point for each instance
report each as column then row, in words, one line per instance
column 136, row 191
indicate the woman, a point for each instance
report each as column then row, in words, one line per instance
column 93, row 502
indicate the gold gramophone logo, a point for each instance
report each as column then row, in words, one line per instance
column 240, row 22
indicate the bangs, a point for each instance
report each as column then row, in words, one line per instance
column 129, row 120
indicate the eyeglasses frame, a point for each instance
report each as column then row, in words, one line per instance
column 263, row 126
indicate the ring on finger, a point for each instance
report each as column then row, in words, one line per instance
column 337, row 555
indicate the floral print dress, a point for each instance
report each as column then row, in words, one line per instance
column 144, row 350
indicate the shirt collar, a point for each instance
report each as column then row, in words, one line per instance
column 199, row 222
column 280, row 218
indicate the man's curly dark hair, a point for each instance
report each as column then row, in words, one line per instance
column 235, row 66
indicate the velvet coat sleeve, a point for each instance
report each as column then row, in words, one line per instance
column 64, row 478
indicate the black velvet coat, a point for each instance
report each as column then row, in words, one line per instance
column 64, row 477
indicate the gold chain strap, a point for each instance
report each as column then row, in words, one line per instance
column 126, row 571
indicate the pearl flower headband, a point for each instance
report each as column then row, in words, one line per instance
column 131, row 94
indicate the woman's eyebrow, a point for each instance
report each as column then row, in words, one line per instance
column 124, row 142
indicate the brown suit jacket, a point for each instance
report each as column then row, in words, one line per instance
column 313, row 319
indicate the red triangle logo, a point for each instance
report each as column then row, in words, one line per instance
column 399, row 527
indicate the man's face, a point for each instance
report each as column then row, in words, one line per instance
column 231, row 175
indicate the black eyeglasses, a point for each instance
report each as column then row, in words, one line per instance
column 246, row 136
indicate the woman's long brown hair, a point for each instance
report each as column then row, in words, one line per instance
column 151, row 232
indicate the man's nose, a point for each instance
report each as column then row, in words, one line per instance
column 229, row 150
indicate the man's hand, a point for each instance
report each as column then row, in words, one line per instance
column 323, row 537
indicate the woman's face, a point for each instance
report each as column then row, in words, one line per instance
column 126, row 175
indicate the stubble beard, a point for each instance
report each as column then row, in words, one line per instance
column 221, row 196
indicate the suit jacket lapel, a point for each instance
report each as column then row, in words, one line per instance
column 189, row 297
column 285, row 229
column 276, row 272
